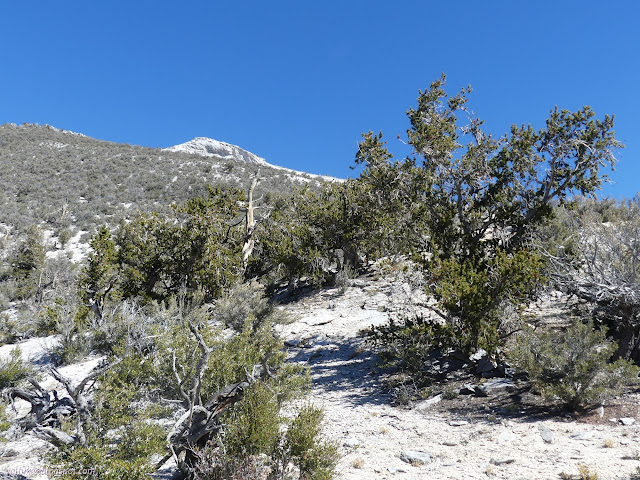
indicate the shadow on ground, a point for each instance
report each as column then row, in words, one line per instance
column 343, row 366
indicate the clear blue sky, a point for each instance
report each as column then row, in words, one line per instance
column 297, row 82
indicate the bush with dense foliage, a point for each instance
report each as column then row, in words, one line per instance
column 14, row 369
column 194, row 250
column 174, row 361
column 573, row 366
column 311, row 234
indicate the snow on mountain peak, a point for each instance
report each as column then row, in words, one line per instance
column 208, row 147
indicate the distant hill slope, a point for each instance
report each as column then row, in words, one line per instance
column 64, row 178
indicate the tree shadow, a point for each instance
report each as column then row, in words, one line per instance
column 518, row 404
column 342, row 365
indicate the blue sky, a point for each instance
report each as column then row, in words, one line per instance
column 297, row 82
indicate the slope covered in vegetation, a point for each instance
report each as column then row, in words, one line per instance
column 179, row 300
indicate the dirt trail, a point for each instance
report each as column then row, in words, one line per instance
column 373, row 434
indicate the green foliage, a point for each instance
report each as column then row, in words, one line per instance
column 11, row 329
column 253, row 426
column 243, row 301
column 573, row 366
column 106, row 461
column 317, row 234
column 122, row 438
column 64, row 317
column 408, row 341
column 64, row 235
column 14, row 369
column 228, row 361
column 98, row 278
column 390, row 201
column 27, row 263
column 472, row 297
column 256, row 445
column 309, row 234
column 315, row 458
column 193, row 250
column 477, row 199
column 5, row 423
column 213, row 464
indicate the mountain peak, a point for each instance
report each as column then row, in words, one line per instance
column 208, row 147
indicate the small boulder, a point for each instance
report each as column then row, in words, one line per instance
column 426, row 404
column 351, row 443
column 486, row 366
column 458, row 423
column 415, row 457
column 502, row 461
column 467, row 389
column 586, row 435
column 546, row 434
column 481, row 353
column 495, row 384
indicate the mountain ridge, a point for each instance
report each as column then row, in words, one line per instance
column 60, row 178
column 209, row 147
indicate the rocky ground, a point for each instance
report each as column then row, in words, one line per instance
column 498, row 431
column 466, row 428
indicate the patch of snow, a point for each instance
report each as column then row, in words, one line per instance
column 56, row 145
column 75, row 250
column 78, row 250
column 208, row 147
column 67, row 132
column 32, row 350
column 314, row 176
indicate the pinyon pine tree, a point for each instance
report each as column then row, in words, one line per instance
column 473, row 199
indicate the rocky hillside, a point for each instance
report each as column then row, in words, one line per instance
column 468, row 427
column 208, row 147
column 471, row 428
column 67, row 179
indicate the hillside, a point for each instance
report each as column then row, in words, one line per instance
column 503, row 434
column 63, row 178
column 456, row 314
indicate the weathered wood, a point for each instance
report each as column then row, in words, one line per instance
column 250, row 225
column 48, row 408
column 54, row 436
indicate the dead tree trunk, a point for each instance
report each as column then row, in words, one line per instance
column 615, row 306
column 48, row 408
column 604, row 274
column 200, row 422
column 250, row 224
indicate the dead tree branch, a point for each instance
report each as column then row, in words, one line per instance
column 48, row 407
